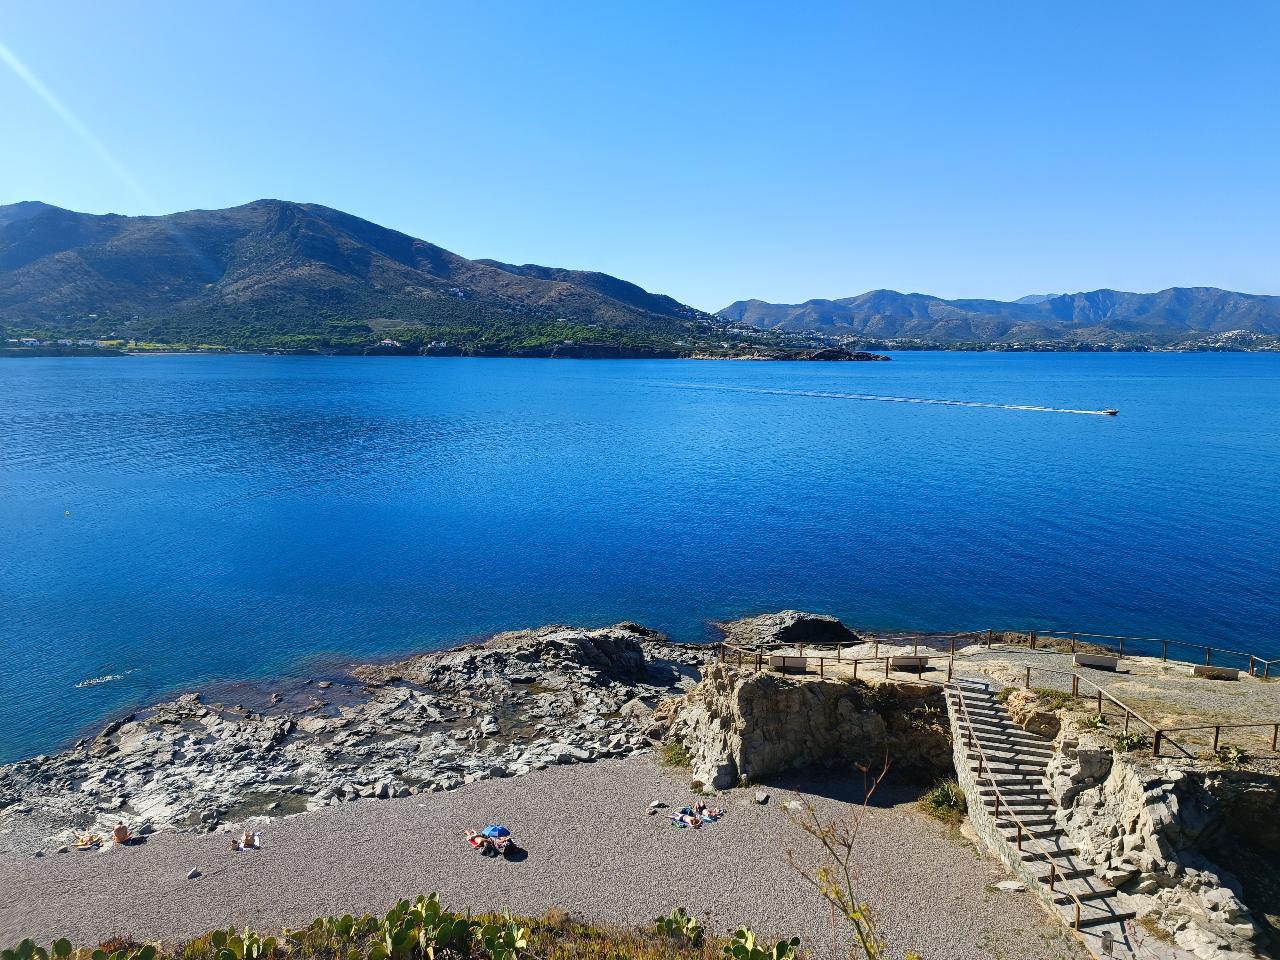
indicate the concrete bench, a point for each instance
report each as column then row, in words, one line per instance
column 1098, row 661
column 1214, row 673
column 912, row 664
column 788, row 664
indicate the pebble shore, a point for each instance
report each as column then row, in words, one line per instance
column 592, row 850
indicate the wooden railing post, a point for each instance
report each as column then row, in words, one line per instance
column 886, row 667
column 1275, row 735
column 1073, row 643
column 1031, row 635
column 1122, row 646
column 1208, row 656
column 1028, row 681
column 1165, row 656
column 1099, row 702
column 1155, row 743
column 1217, row 733
column 855, row 669
column 1075, row 686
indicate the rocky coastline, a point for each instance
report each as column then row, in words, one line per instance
column 521, row 701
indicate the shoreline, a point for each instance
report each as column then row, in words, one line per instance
column 397, row 727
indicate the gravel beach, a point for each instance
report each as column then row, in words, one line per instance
column 592, row 851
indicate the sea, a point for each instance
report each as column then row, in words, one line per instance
column 172, row 522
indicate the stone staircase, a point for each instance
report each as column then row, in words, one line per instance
column 1001, row 768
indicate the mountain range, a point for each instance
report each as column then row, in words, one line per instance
column 278, row 274
column 1171, row 316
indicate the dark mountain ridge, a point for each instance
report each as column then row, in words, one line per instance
column 278, row 273
column 1166, row 317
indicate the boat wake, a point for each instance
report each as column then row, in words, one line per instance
column 831, row 395
column 94, row 681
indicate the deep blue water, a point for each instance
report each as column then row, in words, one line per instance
column 191, row 519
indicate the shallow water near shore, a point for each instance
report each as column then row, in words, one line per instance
column 175, row 521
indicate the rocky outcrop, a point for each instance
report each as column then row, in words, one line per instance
column 1148, row 828
column 520, row 702
column 788, row 628
column 746, row 726
column 1027, row 711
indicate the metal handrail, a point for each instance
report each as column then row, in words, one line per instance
column 983, row 763
column 1159, row 735
column 1217, row 729
column 1209, row 650
column 757, row 659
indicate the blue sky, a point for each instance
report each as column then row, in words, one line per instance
column 713, row 151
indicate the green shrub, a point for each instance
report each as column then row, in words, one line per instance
column 1054, row 699
column 680, row 926
column 945, row 801
column 1231, row 757
column 423, row 930
column 676, row 754
column 743, row 946
column 1128, row 742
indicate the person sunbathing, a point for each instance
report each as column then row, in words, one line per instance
column 87, row 841
column 686, row 818
column 492, row 841
column 707, row 814
column 248, row 840
column 481, row 843
column 121, row 834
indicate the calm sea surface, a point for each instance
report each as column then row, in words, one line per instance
column 181, row 520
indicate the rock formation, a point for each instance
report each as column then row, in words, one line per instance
column 746, row 726
column 1150, row 829
column 790, row 627
column 520, row 702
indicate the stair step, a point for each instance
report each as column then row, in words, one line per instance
column 1028, row 816
column 1031, row 819
column 1093, row 914
column 1018, row 794
column 1008, row 731
column 1060, row 894
column 1006, row 781
column 1003, row 725
column 1008, row 763
column 1047, row 852
column 1076, row 872
column 1010, row 830
column 1014, row 741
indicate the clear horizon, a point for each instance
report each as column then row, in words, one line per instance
column 726, row 153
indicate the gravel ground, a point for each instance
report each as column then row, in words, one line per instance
column 591, row 850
